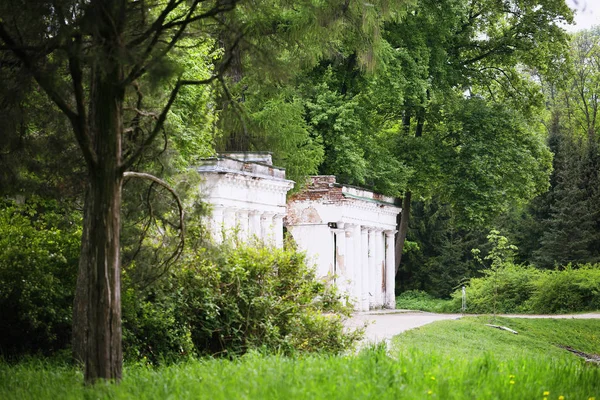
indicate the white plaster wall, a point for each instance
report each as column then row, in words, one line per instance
column 317, row 241
column 248, row 199
column 307, row 222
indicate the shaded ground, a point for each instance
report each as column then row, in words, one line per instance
column 385, row 324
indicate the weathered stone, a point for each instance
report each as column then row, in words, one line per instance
column 349, row 233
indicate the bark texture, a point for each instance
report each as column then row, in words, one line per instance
column 402, row 229
column 97, row 308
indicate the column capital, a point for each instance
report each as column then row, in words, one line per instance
column 348, row 226
column 390, row 232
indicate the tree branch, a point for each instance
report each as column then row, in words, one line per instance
column 179, row 249
column 142, row 66
column 77, row 120
column 165, row 185
column 161, row 120
column 81, row 132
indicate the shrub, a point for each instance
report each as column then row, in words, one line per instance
column 528, row 290
column 568, row 290
column 226, row 301
column 504, row 290
column 39, row 249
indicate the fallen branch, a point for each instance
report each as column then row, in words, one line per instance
column 504, row 328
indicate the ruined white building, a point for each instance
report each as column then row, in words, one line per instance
column 347, row 232
column 247, row 194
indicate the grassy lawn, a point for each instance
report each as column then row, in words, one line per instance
column 461, row 359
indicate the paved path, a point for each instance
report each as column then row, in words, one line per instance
column 383, row 325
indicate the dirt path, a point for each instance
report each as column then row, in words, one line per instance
column 383, row 325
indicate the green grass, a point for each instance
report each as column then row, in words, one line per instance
column 461, row 359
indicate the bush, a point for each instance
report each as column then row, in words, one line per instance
column 219, row 301
column 504, row 290
column 528, row 290
column 39, row 250
column 227, row 301
column 568, row 290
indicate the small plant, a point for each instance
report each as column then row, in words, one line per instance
column 501, row 255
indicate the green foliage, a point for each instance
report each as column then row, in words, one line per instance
column 441, row 260
column 223, row 301
column 522, row 289
column 280, row 126
column 509, row 288
column 421, row 300
column 39, row 249
column 227, row 301
column 485, row 177
column 505, row 290
column 567, row 290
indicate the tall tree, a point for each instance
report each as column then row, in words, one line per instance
column 481, row 47
column 94, row 60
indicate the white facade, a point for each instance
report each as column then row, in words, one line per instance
column 247, row 195
column 349, row 233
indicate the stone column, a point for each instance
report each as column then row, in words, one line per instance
column 278, row 230
column 357, row 267
column 349, row 280
column 390, row 272
column 242, row 219
column 254, row 230
column 364, row 269
column 216, row 224
column 380, row 267
column 371, row 270
column 266, row 228
column 340, row 257
column 229, row 222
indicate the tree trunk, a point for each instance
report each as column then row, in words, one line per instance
column 97, row 307
column 403, row 228
column 405, row 215
column 97, row 311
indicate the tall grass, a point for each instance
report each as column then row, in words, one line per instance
column 446, row 360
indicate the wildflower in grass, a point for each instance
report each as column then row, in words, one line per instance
column 433, row 378
column 561, row 397
column 430, row 391
column 512, row 382
column 592, row 398
column 546, row 393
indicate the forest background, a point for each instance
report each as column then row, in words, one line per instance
column 480, row 114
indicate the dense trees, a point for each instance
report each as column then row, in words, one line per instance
column 557, row 227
